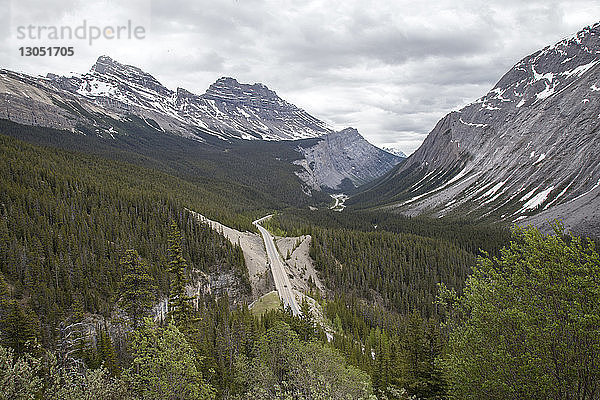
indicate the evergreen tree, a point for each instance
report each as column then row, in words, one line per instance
column 19, row 329
column 307, row 326
column 106, row 353
column 165, row 366
column 180, row 304
column 137, row 287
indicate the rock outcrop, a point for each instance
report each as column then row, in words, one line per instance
column 343, row 160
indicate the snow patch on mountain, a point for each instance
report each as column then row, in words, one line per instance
column 228, row 109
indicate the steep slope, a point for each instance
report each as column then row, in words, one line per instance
column 343, row 160
column 34, row 101
column 116, row 101
column 227, row 109
column 528, row 146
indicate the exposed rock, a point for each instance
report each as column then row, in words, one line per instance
column 531, row 145
column 299, row 263
column 343, row 160
column 33, row 101
column 227, row 109
column 255, row 255
column 255, row 110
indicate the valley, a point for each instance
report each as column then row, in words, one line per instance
column 161, row 244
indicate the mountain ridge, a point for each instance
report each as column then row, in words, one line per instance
column 228, row 109
column 527, row 145
column 112, row 96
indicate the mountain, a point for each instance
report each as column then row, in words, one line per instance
column 113, row 100
column 529, row 146
column 227, row 109
column 394, row 151
column 343, row 160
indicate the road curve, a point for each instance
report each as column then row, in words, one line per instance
column 282, row 281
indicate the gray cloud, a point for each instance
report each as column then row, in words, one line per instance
column 391, row 69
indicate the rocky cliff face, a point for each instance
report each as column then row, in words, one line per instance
column 343, row 160
column 530, row 146
column 228, row 109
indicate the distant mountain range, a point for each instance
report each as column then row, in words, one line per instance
column 527, row 151
column 227, row 111
column 343, row 160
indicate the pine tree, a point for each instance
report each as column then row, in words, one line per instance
column 137, row 288
column 19, row 329
column 306, row 318
column 180, row 306
column 4, row 295
column 165, row 366
column 106, row 353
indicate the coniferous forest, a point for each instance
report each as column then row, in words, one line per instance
column 98, row 254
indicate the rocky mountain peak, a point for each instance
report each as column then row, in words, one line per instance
column 545, row 72
column 104, row 63
column 394, row 151
column 349, row 134
column 114, row 73
column 227, row 109
column 229, row 89
column 350, row 131
column 184, row 93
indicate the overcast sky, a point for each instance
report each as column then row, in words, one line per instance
column 389, row 68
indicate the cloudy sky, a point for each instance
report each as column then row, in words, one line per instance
column 389, row 68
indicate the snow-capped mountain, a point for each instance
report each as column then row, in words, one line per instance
column 529, row 146
column 394, row 151
column 112, row 97
column 227, row 109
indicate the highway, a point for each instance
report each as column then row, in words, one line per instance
column 282, row 281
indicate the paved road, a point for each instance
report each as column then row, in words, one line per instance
column 282, row 281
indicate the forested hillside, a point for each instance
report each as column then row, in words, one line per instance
column 89, row 246
column 248, row 175
column 466, row 234
column 66, row 219
column 398, row 271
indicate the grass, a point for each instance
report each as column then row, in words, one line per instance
column 269, row 301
